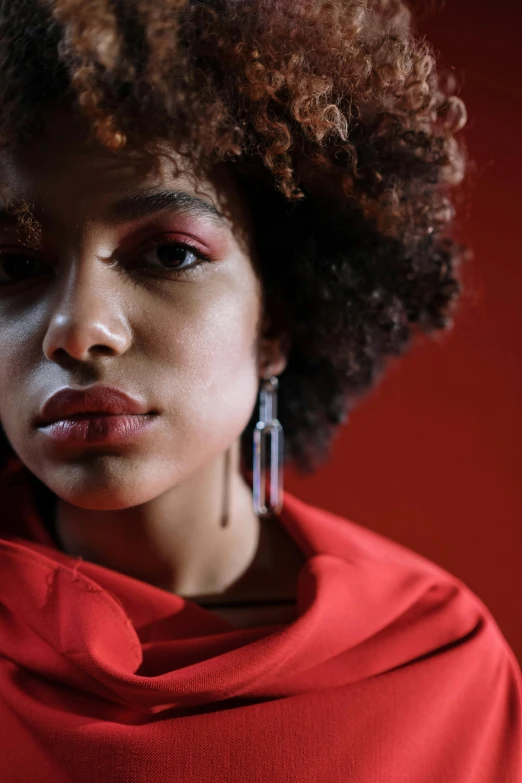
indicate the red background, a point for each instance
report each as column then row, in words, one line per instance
column 432, row 457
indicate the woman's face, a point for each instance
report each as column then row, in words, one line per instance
column 105, row 300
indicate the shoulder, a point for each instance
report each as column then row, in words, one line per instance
column 420, row 591
column 433, row 647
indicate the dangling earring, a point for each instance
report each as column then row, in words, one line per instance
column 268, row 425
column 225, row 512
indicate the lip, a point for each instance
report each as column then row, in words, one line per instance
column 104, row 400
column 95, row 415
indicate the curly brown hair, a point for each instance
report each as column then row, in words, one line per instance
column 333, row 116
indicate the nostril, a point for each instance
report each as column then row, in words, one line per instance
column 104, row 350
column 66, row 358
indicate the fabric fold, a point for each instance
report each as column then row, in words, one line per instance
column 89, row 657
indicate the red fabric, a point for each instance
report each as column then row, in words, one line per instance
column 394, row 670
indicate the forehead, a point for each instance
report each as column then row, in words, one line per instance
column 68, row 176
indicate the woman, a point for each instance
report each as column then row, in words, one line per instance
column 219, row 219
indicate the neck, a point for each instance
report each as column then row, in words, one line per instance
column 175, row 541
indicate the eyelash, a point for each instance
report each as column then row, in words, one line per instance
column 151, row 269
column 164, row 242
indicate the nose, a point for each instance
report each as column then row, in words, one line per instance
column 87, row 318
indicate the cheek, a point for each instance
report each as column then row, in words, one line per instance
column 18, row 360
column 207, row 351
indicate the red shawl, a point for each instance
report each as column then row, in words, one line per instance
column 394, row 671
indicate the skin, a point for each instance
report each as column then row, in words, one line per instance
column 191, row 345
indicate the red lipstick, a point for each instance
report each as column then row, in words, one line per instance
column 97, row 414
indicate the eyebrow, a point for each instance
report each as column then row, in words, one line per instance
column 11, row 214
column 20, row 215
column 144, row 204
column 136, row 206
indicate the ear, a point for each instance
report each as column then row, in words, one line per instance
column 273, row 350
column 273, row 358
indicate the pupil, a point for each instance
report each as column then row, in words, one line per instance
column 169, row 254
column 17, row 267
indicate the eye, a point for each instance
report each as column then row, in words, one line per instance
column 170, row 256
column 17, row 267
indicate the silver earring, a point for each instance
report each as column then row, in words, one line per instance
column 268, row 427
column 225, row 511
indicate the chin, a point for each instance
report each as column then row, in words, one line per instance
column 99, row 500
column 103, row 486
